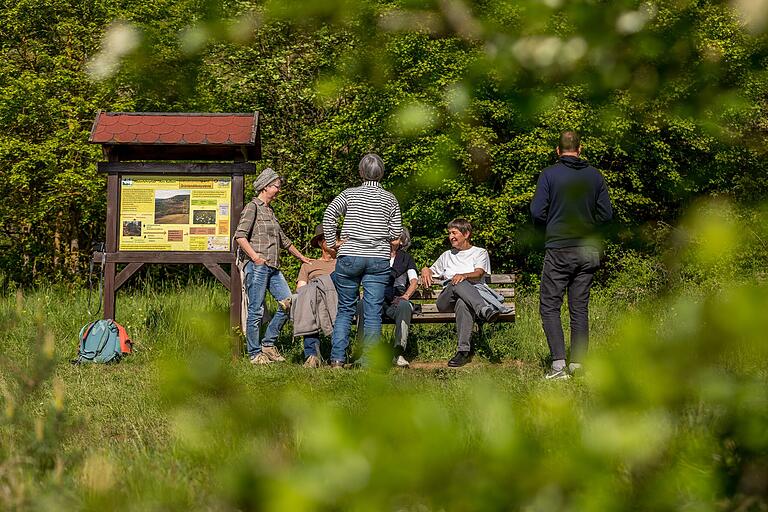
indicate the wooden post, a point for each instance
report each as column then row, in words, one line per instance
column 113, row 207
column 235, row 295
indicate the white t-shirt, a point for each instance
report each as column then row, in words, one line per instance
column 454, row 262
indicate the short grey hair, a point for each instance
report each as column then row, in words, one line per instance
column 371, row 167
column 405, row 239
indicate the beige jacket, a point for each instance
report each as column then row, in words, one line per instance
column 314, row 307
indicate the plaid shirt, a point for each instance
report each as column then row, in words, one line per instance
column 267, row 236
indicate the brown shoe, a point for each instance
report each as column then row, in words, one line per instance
column 312, row 362
column 337, row 365
column 272, row 354
column 260, row 358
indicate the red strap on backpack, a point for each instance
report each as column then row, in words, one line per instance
column 125, row 342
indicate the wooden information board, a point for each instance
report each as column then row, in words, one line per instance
column 174, row 212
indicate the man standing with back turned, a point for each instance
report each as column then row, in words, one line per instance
column 571, row 202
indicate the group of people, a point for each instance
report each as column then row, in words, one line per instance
column 370, row 251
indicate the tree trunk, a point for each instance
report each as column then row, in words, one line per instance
column 56, row 241
column 74, row 254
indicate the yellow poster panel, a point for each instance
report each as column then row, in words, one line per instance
column 175, row 213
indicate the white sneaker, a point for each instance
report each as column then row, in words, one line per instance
column 400, row 362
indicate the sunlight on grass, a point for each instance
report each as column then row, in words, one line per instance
column 671, row 412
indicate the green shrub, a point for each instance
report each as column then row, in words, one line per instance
column 670, row 414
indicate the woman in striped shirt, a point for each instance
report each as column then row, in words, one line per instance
column 372, row 225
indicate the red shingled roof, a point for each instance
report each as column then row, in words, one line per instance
column 174, row 128
column 138, row 135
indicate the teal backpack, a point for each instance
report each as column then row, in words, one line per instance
column 102, row 341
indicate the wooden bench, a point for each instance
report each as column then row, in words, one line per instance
column 501, row 283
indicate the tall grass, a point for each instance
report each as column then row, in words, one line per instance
column 671, row 415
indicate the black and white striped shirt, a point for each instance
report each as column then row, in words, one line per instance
column 371, row 221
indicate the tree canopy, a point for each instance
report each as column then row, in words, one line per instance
column 464, row 101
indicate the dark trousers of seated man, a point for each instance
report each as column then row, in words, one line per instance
column 464, row 300
column 568, row 269
column 401, row 313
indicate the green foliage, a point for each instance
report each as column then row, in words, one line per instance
column 670, row 415
column 463, row 100
column 32, row 425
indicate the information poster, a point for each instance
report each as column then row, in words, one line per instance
column 175, row 213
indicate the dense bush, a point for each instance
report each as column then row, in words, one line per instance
column 463, row 100
column 671, row 414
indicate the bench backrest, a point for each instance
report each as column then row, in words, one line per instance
column 501, row 283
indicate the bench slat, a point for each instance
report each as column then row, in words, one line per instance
column 494, row 279
column 430, row 315
column 432, row 308
column 440, row 318
column 433, row 293
column 502, row 278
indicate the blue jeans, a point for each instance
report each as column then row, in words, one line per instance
column 259, row 279
column 351, row 272
column 312, row 345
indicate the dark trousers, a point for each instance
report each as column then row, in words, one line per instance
column 465, row 301
column 402, row 314
column 568, row 269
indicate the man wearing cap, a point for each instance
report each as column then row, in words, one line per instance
column 308, row 272
column 260, row 237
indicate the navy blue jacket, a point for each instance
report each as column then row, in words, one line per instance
column 571, row 202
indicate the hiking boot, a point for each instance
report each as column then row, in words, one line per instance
column 460, row 359
column 400, row 362
column 561, row 374
column 489, row 314
column 260, row 358
column 337, row 365
column 312, row 362
column 272, row 353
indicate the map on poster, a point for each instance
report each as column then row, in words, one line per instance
column 175, row 213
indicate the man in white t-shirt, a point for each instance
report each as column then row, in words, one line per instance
column 459, row 269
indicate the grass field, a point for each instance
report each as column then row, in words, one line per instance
column 666, row 418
